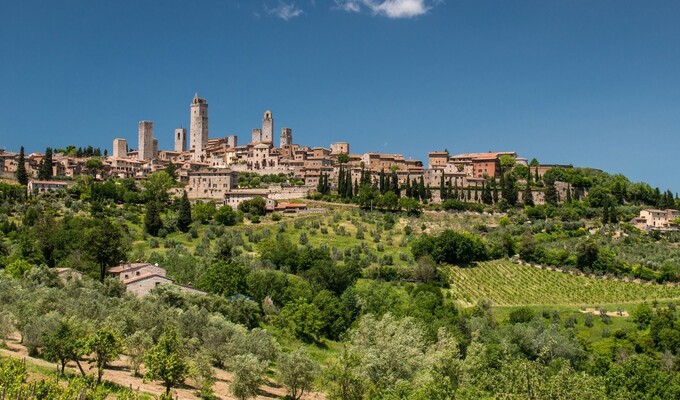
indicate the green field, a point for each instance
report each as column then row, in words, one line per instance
column 508, row 284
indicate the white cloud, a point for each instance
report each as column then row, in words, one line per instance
column 389, row 8
column 285, row 11
column 348, row 5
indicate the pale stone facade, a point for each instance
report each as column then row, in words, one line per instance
column 211, row 184
column 233, row 198
column 267, row 128
column 199, row 126
column 141, row 278
column 119, row 148
column 286, row 137
column 256, row 136
column 656, row 219
column 145, row 150
column 180, row 140
column 340, row 147
column 45, row 186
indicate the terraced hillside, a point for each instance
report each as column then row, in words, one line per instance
column 508, row 284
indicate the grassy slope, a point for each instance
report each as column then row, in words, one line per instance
column 508, row 284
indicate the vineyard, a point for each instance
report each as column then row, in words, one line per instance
column 508, row 284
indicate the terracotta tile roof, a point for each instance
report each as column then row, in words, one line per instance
column 128, row 267
column 144, row 277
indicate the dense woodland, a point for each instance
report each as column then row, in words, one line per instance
column 357, row 303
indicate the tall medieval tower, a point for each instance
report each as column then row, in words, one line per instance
column 180, row 140
column 199, row 126
column 256, row 135
column 286, row 137
column 268, row 128
column 145, row 151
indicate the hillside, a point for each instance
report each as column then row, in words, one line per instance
column 508, row 284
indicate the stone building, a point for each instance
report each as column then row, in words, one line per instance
column 35, row 186
column 211, row 184
column 119, row 148
column 199, row 126
column 141, row 278
column 267, row 128
column 233, row 198
column 180, row 140
column 340, row 147
column 145, row 150
column 155, row 148
column 656, row 219
column 286, row 137
column 256, row 136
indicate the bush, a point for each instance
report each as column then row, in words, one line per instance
column 521, row 315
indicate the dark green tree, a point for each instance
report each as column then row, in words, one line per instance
column 21, row 174
column 166, row 361
column 106, row 244
column 45, row 166
column 551, row 195
column 152, row 218
column 184, row 213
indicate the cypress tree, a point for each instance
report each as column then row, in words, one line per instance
column 408, row 187
column 486, row 193
column 152, row 219
column 536, row 177
column 22, row 175
column 394, row 184
column 45, row 166
column 356, row 187
column 184, row 213
column 568, row 200
column 495, row 191
column 421, row 189
column 341, row 181
column 442, row 188
column 382, row 181
column 605, row 213
column 528, row 195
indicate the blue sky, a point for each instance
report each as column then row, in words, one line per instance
column 592, row 83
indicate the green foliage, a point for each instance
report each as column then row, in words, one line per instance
column 105, row 346
column 204, row 212
column 302, row 319
column 297, row 372
column 156, row 187
column 21, row 174
column 253, row 207
column 450, row 247
column 166, row 362
column 152, row 218
column 248, row 376
column 184, row 213
column 226, row 215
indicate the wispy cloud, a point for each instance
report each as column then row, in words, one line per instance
column 285, row 11
column 389, row 8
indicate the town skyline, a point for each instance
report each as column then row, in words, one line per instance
column 566, row 83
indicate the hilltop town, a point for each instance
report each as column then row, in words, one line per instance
column 217, row 256
column 210, row 167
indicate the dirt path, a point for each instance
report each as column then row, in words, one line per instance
column 120, row 374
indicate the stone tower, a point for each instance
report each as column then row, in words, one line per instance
column 119, row 148
column 256, row 136
column 145, row 150
column 199, row 126
column 268, row 128
column 180, row 140
column 286, row 137
column 155, row 148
